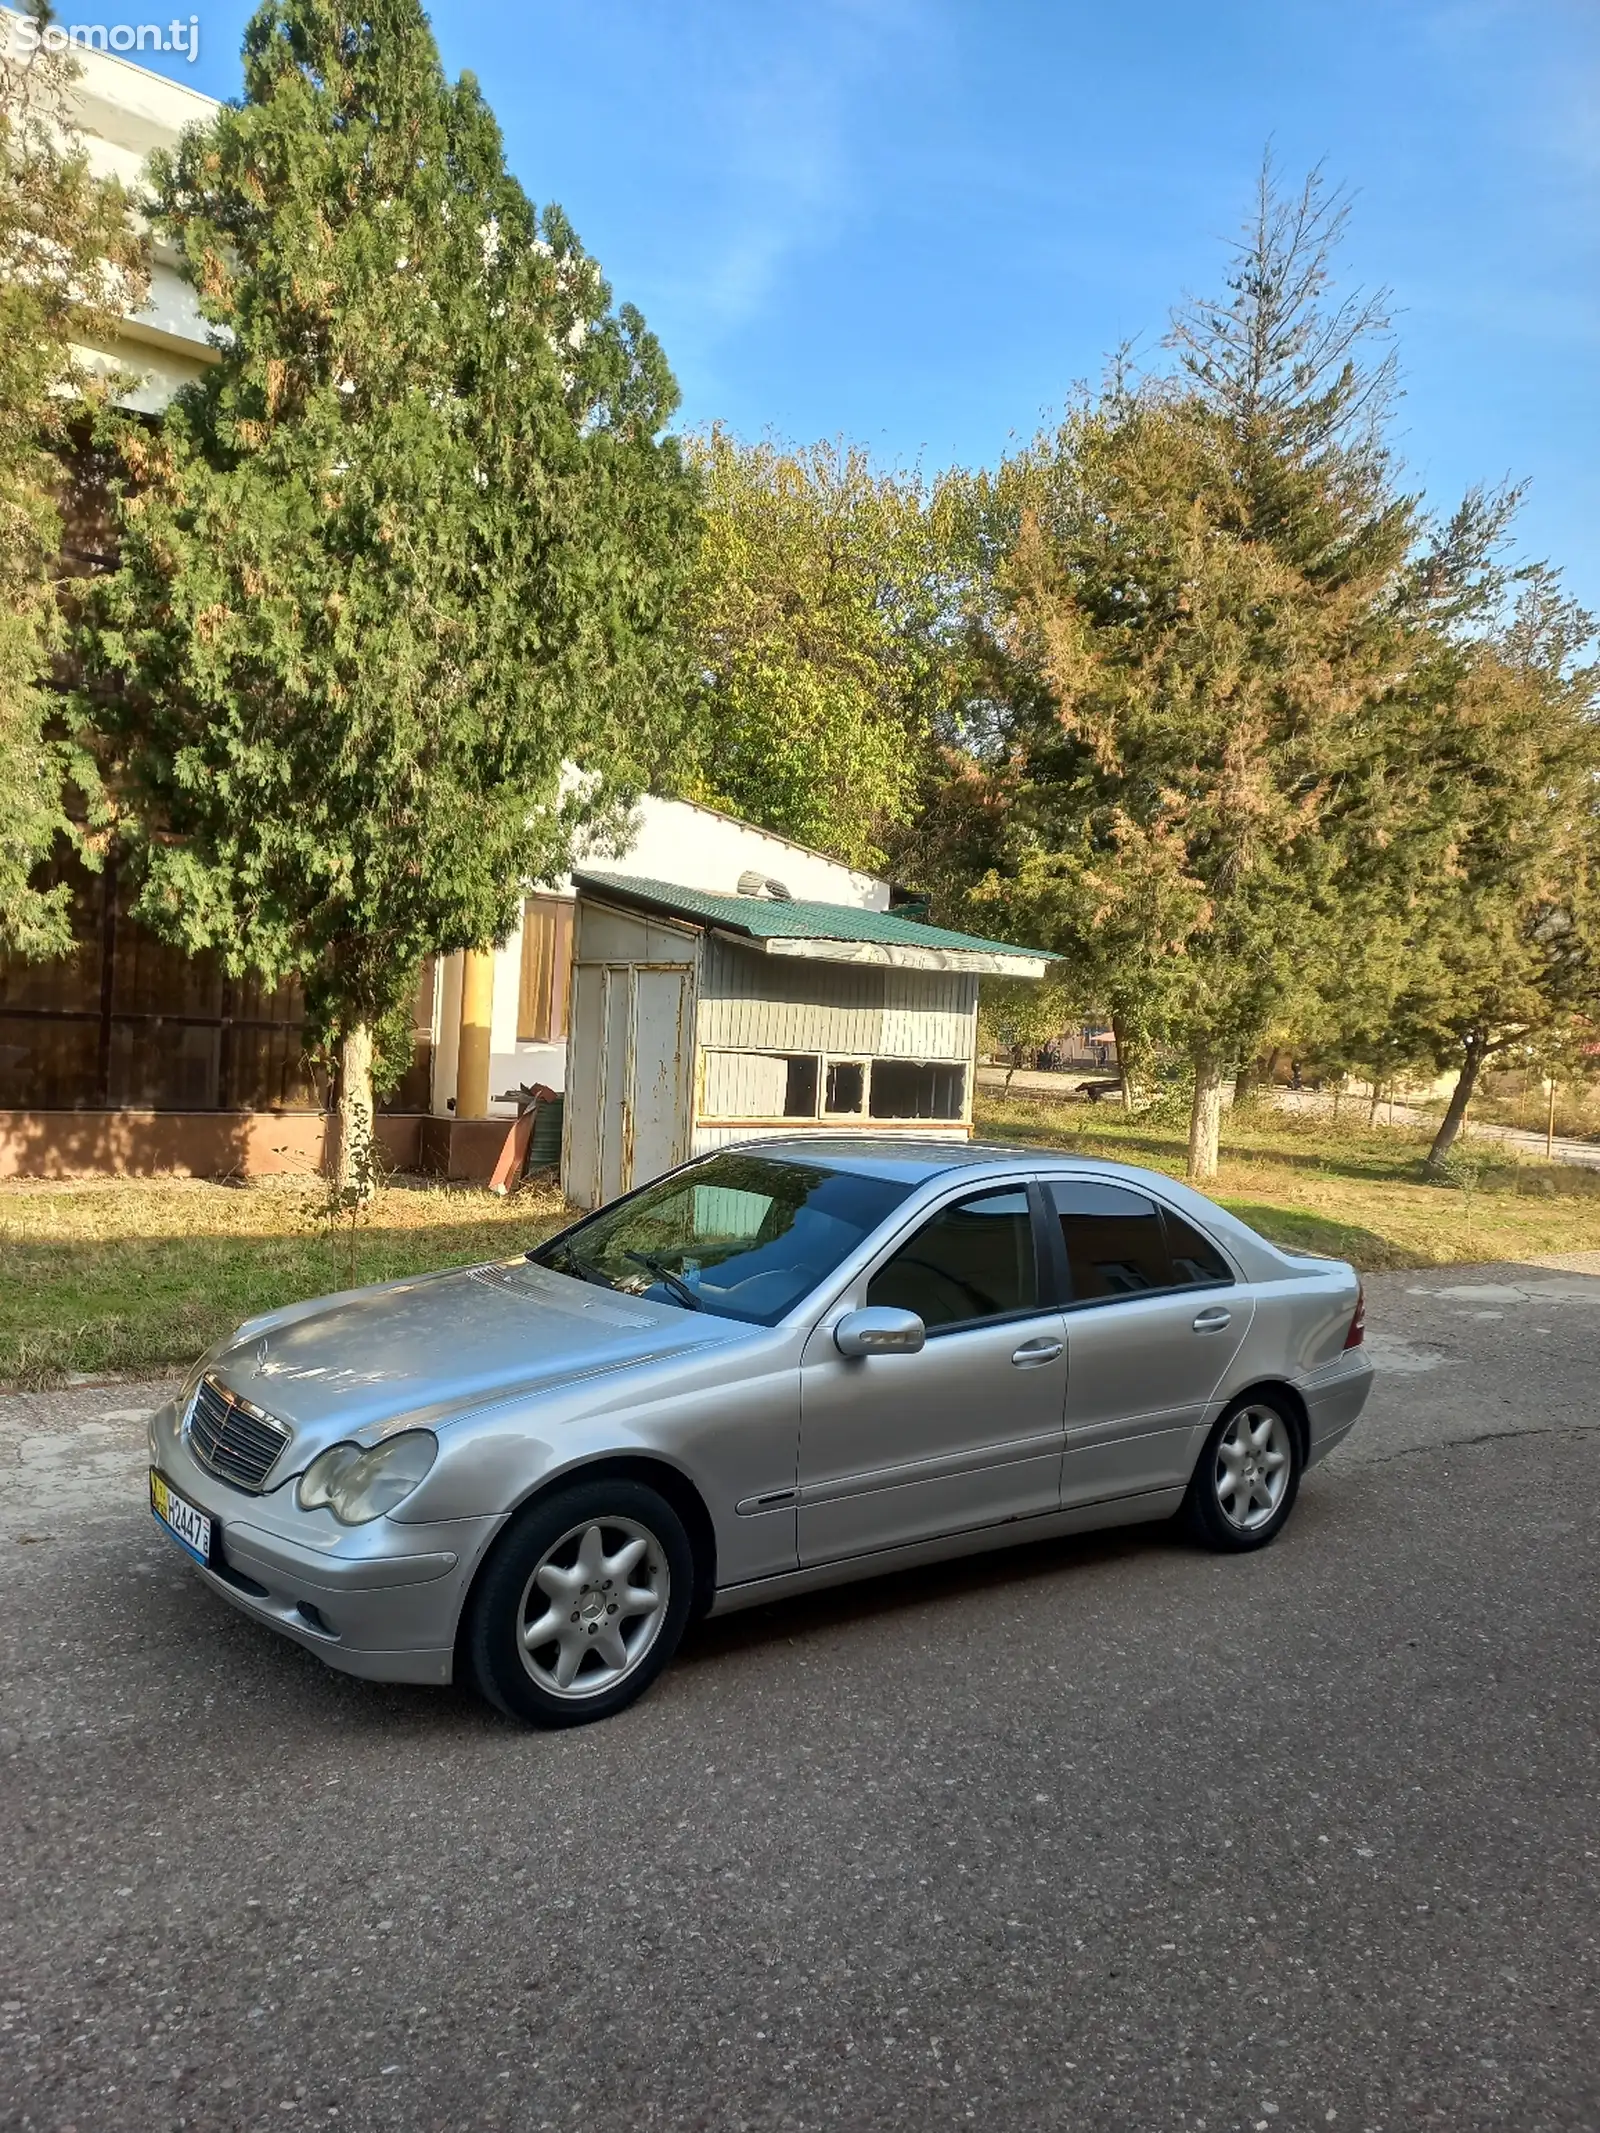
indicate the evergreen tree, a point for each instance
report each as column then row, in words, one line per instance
column 70, row 264
column 406, row 547
column 1505, row 947
column 1221, row 622
column 1187, row 797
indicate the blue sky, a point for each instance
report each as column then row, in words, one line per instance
column 915, row 223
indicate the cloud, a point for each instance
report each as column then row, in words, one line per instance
column 779, row 124
column 1541, row 69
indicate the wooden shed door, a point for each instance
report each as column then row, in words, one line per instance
column 646, row 1071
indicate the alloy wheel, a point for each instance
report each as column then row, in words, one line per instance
column 1254, row 1461
column 593, row 1607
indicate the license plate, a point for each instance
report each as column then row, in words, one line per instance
column 189, row 1527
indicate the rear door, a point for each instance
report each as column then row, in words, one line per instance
column 1154, row 1318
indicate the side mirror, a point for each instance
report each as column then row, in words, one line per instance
column 879, row 1331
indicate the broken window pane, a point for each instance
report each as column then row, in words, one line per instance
column 907, row 1088
column 847, row 1085
column 800, row 1086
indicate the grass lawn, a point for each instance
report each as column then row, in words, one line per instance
column 129, row 1275
column 1346, row 1189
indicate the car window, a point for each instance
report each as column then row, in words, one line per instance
column 973, row 1260
column 1114, row 1239
column 742, row 1236
column 1196, row 1262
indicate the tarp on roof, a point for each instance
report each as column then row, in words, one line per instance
column 833, row 933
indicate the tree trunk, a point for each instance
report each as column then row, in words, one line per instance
column 349, row 1164
column 1243, row 1082
column 1372, row 1108
column 1205, row 1120
column 1460, row 1096
column 1124, row 1064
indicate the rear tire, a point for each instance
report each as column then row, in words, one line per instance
column 1245, row 1484
column 582, row 1604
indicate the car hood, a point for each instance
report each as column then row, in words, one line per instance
column 420, row 1353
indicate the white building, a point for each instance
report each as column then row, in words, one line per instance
column 123, row 113
column 695, row 847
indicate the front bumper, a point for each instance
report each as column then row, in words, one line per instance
column 381, row 1601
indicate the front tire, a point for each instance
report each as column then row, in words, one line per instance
column 1243, row 1489
column 582, row 1604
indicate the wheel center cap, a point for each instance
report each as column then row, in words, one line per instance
column 593, row 1606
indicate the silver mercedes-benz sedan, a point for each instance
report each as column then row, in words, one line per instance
column 786, row 1365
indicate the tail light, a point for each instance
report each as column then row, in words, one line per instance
column 1358, row 1323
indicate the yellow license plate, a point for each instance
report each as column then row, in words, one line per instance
column 189, row 1526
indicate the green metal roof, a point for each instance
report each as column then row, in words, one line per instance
column 763, row 918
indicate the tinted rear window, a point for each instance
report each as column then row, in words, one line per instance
column 1196, row 1262
column 1121, row 1243
column 1114, row 1239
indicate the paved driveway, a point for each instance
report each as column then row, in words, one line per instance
column 1107, row 1834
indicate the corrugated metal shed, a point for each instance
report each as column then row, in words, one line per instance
column 754, row 1002
column 700, row 1019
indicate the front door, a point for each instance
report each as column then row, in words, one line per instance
column 900, row 1448
column 1155, row 1318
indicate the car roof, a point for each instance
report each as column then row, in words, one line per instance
column 915, row 1162
column 906, row 1157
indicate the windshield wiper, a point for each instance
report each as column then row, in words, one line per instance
column 675, row 1282
column 567, row 1261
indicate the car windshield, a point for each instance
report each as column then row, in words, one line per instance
column 742, row 1236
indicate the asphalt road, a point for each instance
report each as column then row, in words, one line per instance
column 1103, row 1834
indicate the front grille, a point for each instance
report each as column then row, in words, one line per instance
column 236, row 1441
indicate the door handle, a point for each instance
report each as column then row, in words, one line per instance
column 1039, row 1351
column 1212, row 1320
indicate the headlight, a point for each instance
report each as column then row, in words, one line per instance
column 316, row 1483
column 360, row 1486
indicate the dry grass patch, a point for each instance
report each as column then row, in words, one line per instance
column 139, row 1275
column 1346, row 1188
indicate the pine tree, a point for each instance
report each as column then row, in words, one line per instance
column 1505, row 948
column 1186, row 799
column 1221, row 619
column 406, row 547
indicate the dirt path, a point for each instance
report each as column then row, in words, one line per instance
column 1586, row 1154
